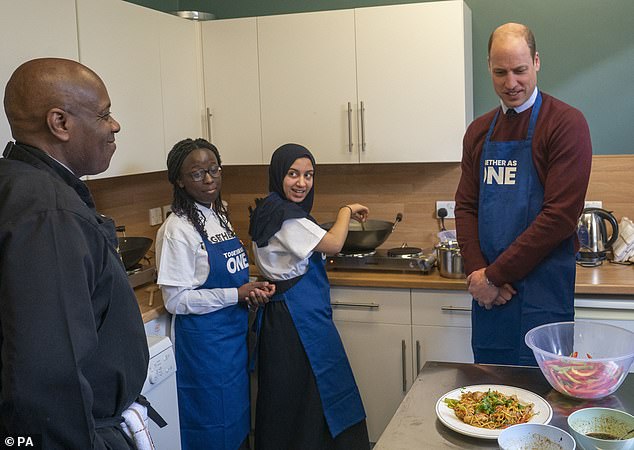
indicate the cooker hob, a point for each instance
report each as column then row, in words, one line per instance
column 140, row 274
column 399, row 259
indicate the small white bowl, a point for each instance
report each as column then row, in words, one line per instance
column 606, row 420
column 528, row 436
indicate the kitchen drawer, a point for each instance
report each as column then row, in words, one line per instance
column 371, row 305
column 441, row 308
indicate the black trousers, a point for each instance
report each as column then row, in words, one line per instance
column 289, row 413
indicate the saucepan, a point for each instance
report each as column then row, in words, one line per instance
column 366, row 236
column 449, row 258
column 133, row 249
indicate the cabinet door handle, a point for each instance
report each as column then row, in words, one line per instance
column 362, row 127
column 356, row 305
column 209, row 127
column 417, row 357
column 404, row 364
column 456, row 308
column 349, row 127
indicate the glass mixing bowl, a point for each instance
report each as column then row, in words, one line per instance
column 582, row 359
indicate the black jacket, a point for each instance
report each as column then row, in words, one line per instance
column 71, row 335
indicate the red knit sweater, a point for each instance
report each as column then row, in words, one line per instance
column 562, row 154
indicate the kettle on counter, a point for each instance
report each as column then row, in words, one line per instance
column 593, row 236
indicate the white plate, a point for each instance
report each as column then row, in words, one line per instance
column 543, row 411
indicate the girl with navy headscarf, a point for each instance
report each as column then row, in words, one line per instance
column 307, row 395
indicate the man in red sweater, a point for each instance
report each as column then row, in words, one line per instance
column 525, row 171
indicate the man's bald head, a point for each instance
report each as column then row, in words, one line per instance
column 39, row 85
column 514, row 30
column 62, row 108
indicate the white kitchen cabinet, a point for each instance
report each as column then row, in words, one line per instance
column 374, row 325
column 378, row 84
column 441, row 327
column 181, row 80
column 610, row 310
column 414, row 81
column 307, row 79
column 148, row 61
column 232, row 91
column 27, row 33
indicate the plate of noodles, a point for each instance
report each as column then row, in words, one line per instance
column 484, row 410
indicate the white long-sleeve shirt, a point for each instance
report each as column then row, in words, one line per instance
column 183, row 265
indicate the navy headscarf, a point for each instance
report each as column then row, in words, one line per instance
column 271, row 212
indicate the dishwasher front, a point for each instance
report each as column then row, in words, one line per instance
column 160, row 390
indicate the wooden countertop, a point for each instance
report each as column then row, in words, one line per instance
column 143, row 297
column 608, row 279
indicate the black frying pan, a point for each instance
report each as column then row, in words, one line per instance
column 133, row 249
column 367, row 237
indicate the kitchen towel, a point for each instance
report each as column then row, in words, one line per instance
column 135, row 425
column 623, row 247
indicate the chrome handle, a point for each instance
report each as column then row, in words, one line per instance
column 362, row 127
column 209, row 127
column 356, row 305
column 404, row 365
column 349, row 127
column 456, row 308
column 417, row 357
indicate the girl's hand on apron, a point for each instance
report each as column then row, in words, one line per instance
column 256, row 292
column 257, row 297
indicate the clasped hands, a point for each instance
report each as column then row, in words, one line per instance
column 256, row 293
column 488, row 295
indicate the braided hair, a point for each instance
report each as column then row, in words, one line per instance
column 183, row 204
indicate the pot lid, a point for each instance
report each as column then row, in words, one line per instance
column 448, row 245
column 404, row 251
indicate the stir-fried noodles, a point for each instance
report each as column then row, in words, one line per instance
column 491, row 409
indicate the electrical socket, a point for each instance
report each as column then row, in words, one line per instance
column 449, row 205
column 593, row 204
column 166, row 210
column 156, row 216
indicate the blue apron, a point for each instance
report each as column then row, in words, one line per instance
column 308, row 303
column 511, row 197
column 211, row 356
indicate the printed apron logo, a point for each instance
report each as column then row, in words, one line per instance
column 236, row 260
column 500, row 171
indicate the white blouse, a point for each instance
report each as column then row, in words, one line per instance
column 183, row 265
column 286, row 256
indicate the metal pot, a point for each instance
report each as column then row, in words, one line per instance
column 133, row 249
column 449, row 259
column 367, row 236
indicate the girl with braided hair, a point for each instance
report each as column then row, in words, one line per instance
column 203, row 272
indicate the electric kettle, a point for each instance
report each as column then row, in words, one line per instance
column 593, row 236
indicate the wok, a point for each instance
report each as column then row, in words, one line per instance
column 367, row 236
column 133, row 249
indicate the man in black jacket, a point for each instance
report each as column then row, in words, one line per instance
column 74, row 352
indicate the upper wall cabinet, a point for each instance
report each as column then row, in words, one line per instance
column 148, row 61
column 308, row 83
column 232, row 92
column 380, row 84
column 27, row 33
column 181, row 80
column 414, row 81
